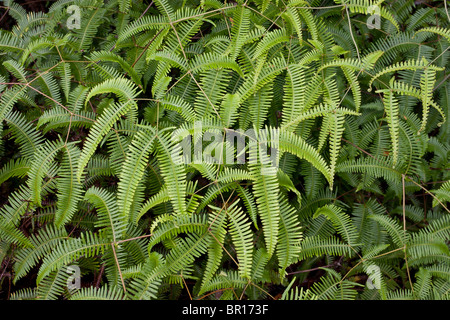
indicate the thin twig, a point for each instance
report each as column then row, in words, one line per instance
column 309, row 270
column 187, row 289
column 351, row 33
column 446, row 10
column 145, row 11
column 360, row 149
column 404, row 229
column 220, row 290
column 245, row 288
column 427, row 191
column 99, row 278
column 135, row 238
column 146, row 47
column 118, row 267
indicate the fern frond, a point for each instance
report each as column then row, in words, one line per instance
column 102, row 293
column 270, row 39
column 217, row 222
column 161, row 197
column 14, row 168
column 10, row 233
column 88, row 245
column 111, row 57
column 437, row 30
column 392, row 117
column 133, row 168
column 316, row 246
column 343, row 224
column 174, row 226
column 399, row 237
column 109, row 217
column 374, row 166
column 294, row 93
column 427, row 81
column 109, row 116
column 294, row 144
column 242, row 238
column 51, row 287
column 42, row 162
column 173, row 172
column 69, row 190
column 289, row 236
column 241, row 26
column 43, row 243
column 297, row 294
column 404, row 65
column 260, row 260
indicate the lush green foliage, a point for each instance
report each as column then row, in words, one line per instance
column 93, row 178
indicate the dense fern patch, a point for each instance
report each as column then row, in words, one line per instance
column 115, row 117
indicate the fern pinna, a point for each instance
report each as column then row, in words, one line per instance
column 114, row 157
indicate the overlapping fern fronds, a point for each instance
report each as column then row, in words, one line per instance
column 243, row 146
